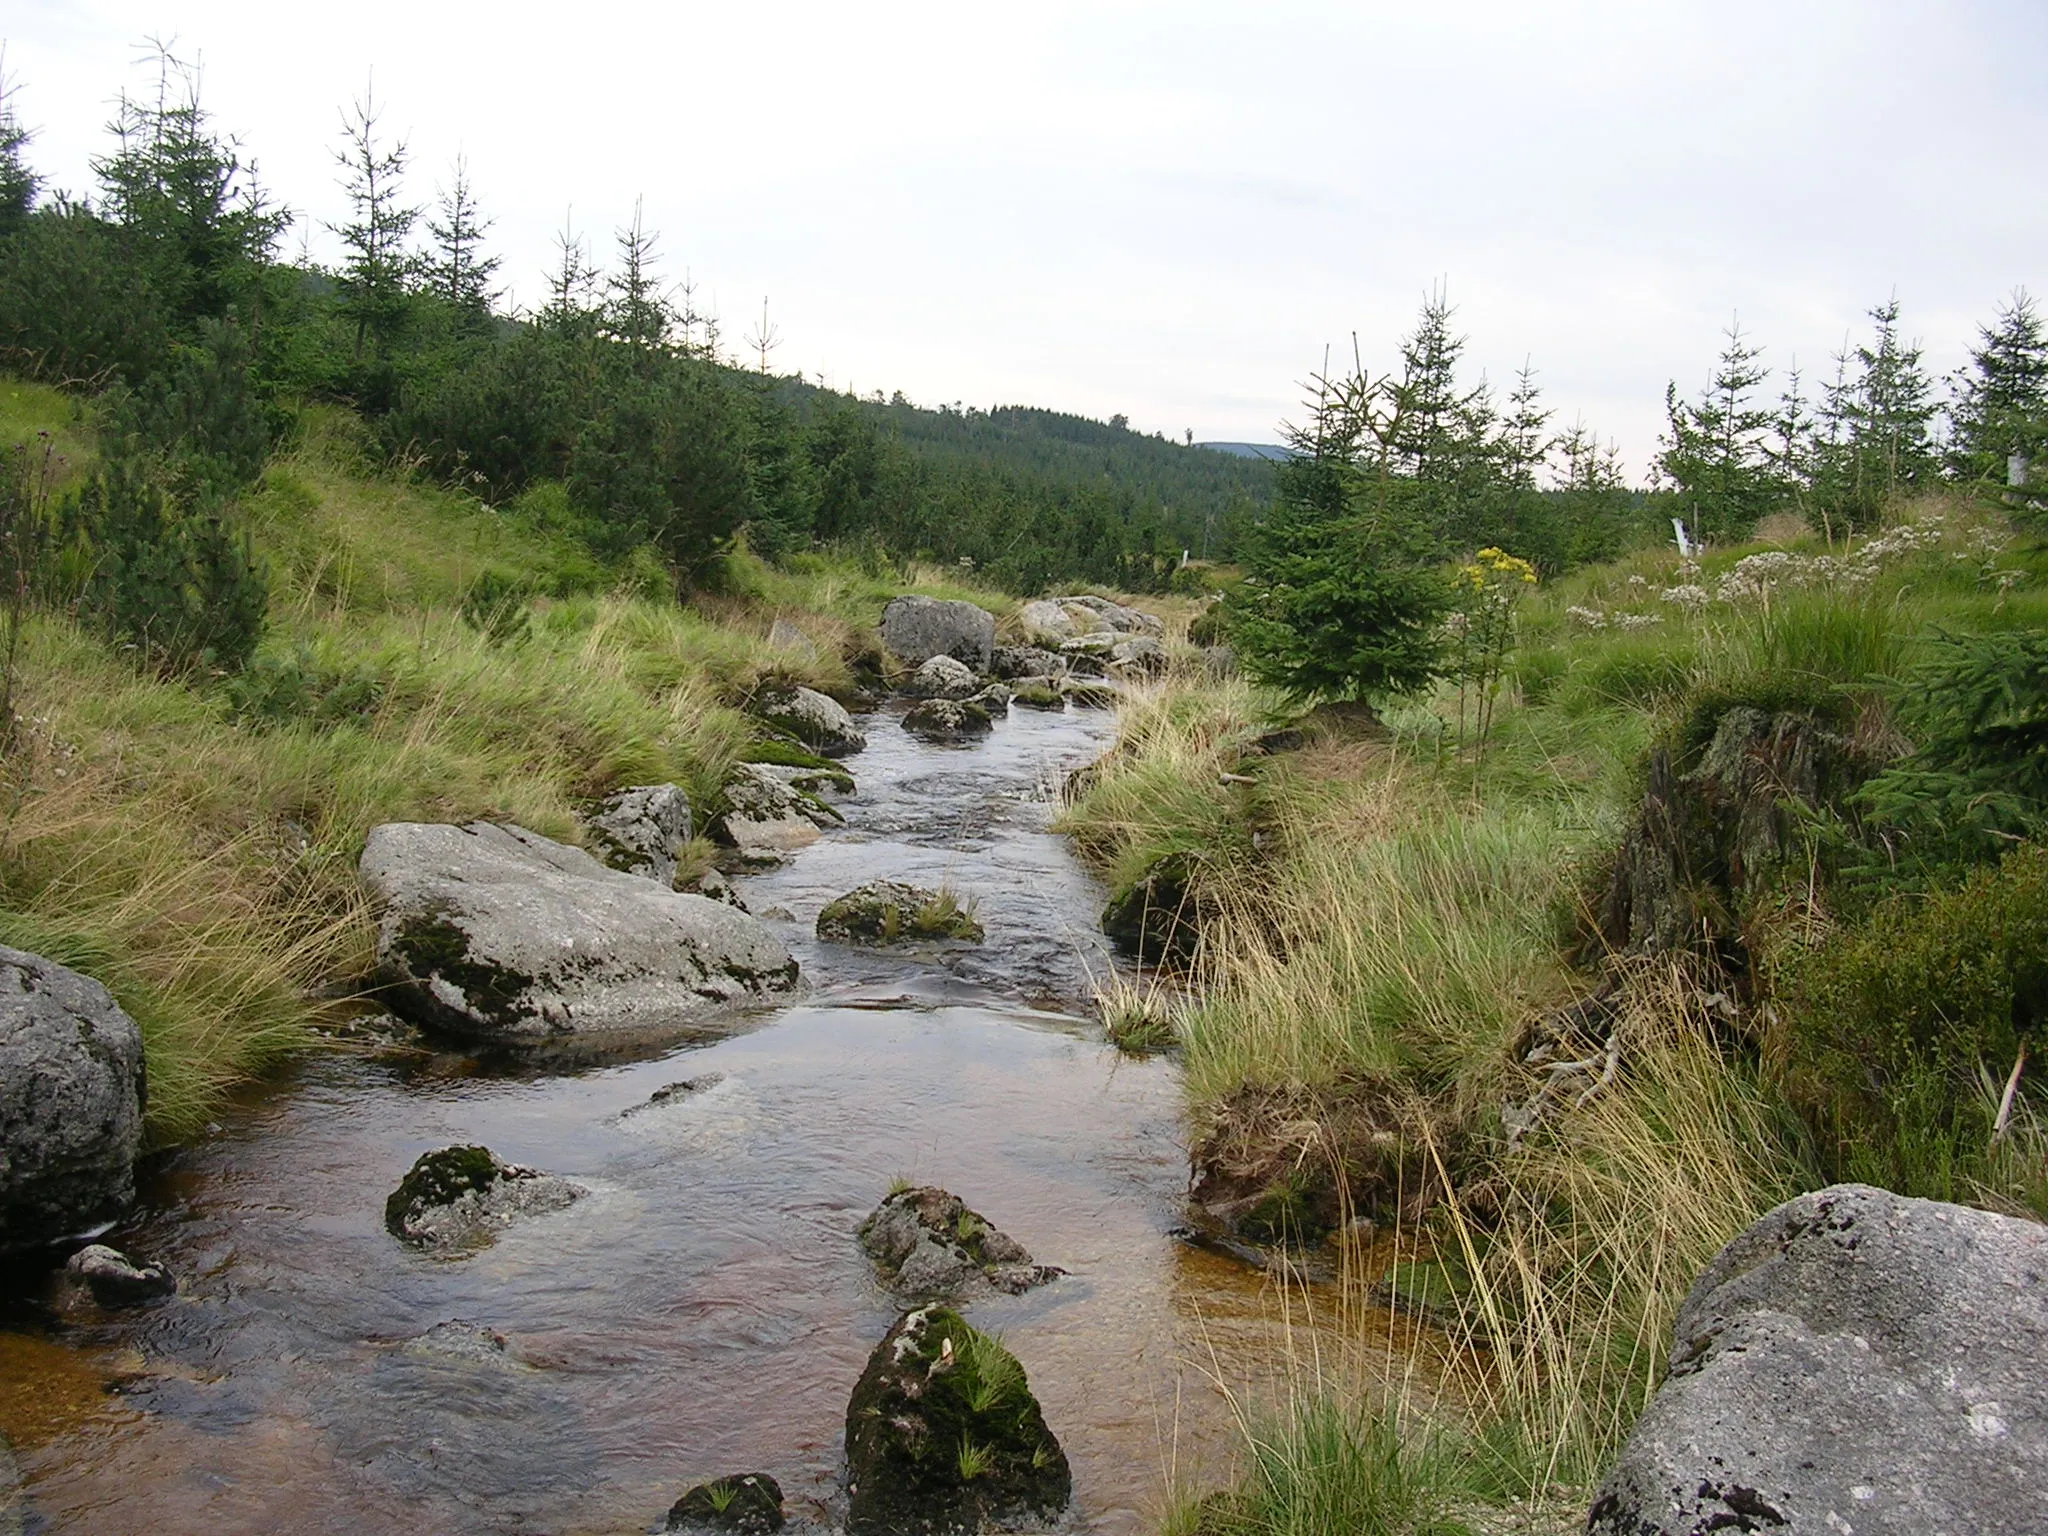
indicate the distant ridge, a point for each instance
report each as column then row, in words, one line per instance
column 1247, row 450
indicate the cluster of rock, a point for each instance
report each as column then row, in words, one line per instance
column 1078, row 650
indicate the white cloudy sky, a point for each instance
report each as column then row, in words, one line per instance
column 1170, row 210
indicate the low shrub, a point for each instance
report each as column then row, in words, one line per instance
column 1886, row 1033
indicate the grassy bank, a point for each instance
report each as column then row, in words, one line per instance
column 1392, row 919
column 193, row 843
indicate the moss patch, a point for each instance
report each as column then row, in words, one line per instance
column 890, row 912
column 437, row 1179
column 943, row 1434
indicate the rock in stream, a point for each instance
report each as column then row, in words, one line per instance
column 71, row 1095
column 498, row 935
column 943, row 1435
column 461, row 1197
column 928, row 1246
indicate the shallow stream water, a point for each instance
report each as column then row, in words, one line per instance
column 708, row 1309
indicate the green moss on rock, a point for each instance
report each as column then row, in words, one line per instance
column 749, row 1504
column 439, row 1178
column 891, row 912
column 943, row 1435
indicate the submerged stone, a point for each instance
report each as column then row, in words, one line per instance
column 460, row 1197
column 116, row 1280
column 943, row 1435
column 891, row 912
column 746, row 1503
column 927, row 1245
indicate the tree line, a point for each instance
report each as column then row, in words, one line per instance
column 167, row 297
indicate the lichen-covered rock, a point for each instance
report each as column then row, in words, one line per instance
column 1052, row 620
column 638, row 831
column 891, row 912
column 820, row 723
column 1137, row 656
column 714, row 885
column 767, row 819
column 1854, row 1362
column 942, row 678
column 461, row 1197
column 943, row 1435
column 915, row 629
column 499, row 935
column 928, row 1246
column 71, row 1098
column 116, row 1280
column 743, row 1504
column 1037, row 693
column 1086, row 694
column 995, row 698
column 947, row 720
column 1011, row 662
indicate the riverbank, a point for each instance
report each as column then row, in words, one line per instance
column 193, row 843
column 1410, row 1010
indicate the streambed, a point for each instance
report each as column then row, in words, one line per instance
column 707, row 1310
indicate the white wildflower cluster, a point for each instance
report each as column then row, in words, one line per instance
column 1691, row 597
column 1629, row 623
column 1592, row 618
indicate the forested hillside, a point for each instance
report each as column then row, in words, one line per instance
column 616, row 407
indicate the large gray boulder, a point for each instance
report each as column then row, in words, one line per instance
column 71, row 1097
column 1856, row 1362
column 915, row 629
column 639, row 830
column 497, row 934
column 818, row 721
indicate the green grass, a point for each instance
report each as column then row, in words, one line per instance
column 194, row 845
column 1387, row 917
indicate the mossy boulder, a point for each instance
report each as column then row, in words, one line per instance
column 638, row 830
column 460, row 1197
column 927, row 1245
column 745, row 1503
column 891, row 912
column 819, row 722
column 1037, row 693
column 943, row 1435
column 947, row 720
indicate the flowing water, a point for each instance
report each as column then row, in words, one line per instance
column 707, row 1309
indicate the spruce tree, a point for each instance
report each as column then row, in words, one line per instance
column 1715, row 451
column 459, row 271
column 1877, row 419
column 379, row 267
column 1341, row 598
column 18, row 184
column 636, row 309
column 2000, row 410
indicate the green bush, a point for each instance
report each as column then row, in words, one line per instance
column 1887, row 1032
column 1632, row 672
column 275, row 690
column 183, row 588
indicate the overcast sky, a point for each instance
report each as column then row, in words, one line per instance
column 1170, row 210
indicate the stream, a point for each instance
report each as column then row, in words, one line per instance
column 707, row 1309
